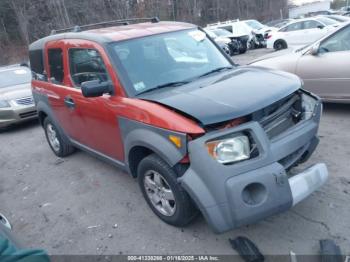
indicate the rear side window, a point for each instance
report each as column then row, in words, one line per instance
column 56, row 65
column 37, row 64
column 293, row 27
column 86, row 65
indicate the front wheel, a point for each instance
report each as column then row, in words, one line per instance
column 165, row 196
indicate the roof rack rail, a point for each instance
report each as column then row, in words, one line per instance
column 78, row 28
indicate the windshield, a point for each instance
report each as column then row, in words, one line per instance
column 169, row 58
column 326, row 21
column 15, row 76
column 255, row 24
column 222, row 32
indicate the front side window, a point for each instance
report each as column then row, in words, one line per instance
column 86, row 65
column 56, row 65
column 340, row 41
column 310, row 24
column 14, row 77
column 166, row 58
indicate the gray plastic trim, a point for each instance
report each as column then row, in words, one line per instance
column 227, row 209
column 154, row 138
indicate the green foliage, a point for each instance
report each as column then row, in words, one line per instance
column 337, row 4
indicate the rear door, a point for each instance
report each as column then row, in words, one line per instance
column 328, row 73
column 57, row 89
column 293, row 34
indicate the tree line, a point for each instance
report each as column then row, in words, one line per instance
column 24, row 21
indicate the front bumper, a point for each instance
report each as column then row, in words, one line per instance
column 230, row 196
column 16, row 114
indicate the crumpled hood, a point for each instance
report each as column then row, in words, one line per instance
column 238, row 93
column 15, row 92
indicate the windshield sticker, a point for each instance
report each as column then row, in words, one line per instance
column 197, row 35
column 20, row 72
column 139, row 86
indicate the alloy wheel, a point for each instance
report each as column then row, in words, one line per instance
column 159, row 193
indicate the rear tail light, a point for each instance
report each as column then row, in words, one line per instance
column 268, row 36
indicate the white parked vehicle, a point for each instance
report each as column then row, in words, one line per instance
column 253, row 30
column 223, row 42
column 300, row 32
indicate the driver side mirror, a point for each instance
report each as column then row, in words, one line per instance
column 320, row 26
column 95, row 88
column 314, row 50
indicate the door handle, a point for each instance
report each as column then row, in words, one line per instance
column 69, row 102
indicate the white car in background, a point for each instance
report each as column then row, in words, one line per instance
column 300, row 32
column 253, row 30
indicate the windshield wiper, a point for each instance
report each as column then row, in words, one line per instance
column 219, row 69
column 170, row 84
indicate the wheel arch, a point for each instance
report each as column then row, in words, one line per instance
column 135, row 155
column 141, row 140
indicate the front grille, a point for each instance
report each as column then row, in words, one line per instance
column 280, row 116
column 28, row 114
column 25, row 101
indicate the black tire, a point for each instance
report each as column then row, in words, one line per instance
column 243, row 50
column 279, row 45
column 185, row 210
column 65, row 147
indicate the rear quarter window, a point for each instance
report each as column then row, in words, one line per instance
column 37, row 64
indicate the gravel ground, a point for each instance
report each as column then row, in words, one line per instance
column 80, row 205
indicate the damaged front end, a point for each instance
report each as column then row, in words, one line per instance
column 239, row 170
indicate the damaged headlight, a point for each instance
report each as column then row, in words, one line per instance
column 230, row 150
column 308, row 103
column 4, row 104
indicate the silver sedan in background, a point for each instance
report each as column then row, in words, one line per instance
column 324, row 65
column 16, row 99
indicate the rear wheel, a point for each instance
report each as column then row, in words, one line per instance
column 57, row 141
column 165, row 196
column 280, row 44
